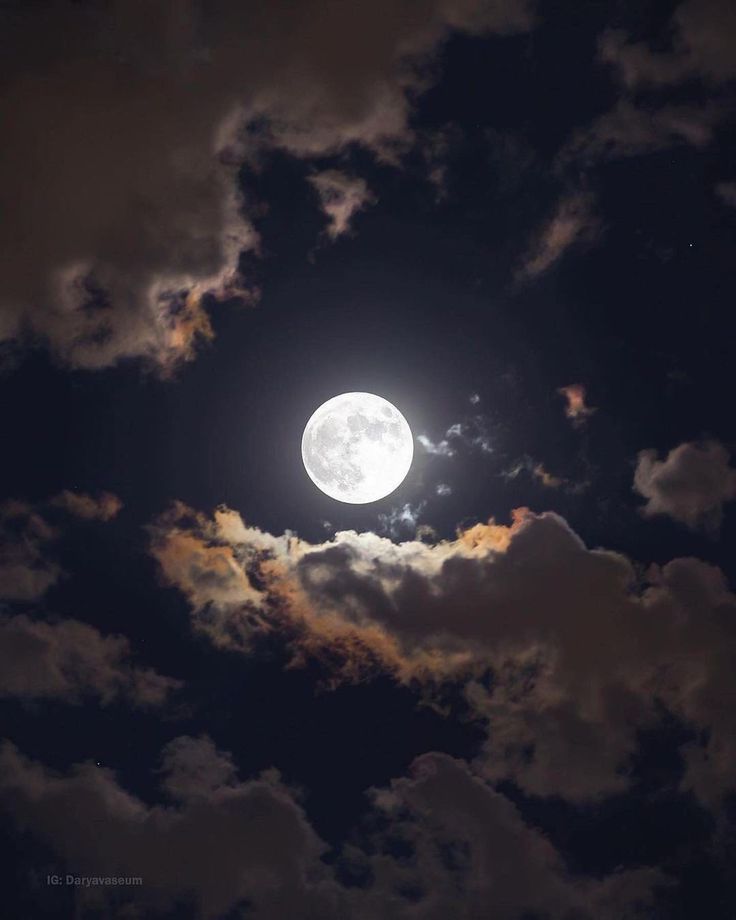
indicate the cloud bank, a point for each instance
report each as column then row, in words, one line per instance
column 249, row 842
column 584, row 650
column 122, row 213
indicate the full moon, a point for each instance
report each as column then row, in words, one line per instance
column 357, row 448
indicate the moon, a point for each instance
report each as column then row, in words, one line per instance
column 357, row 448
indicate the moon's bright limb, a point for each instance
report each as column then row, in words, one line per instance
column 357, row 448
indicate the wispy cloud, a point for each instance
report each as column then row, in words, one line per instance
column 440, row 448
column 341, row 198
column 402, row 521
column 573, row 222
column 471, row 433
column 700, row 41
column 538, row 472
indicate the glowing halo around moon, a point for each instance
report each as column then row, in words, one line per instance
column 357, row 448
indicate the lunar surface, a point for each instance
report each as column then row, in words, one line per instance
column 357, row 448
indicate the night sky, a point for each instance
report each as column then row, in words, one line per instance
column 507, row 690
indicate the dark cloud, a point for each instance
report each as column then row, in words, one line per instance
column 473, row 852
column 128, row 123
column 697, row 46
column 27, row 569
column 193, row 769
column 61, row 659
column 691, row 485
column 631, row 129
column 702, row 43
column 102, row 507
column 581, row 645
column 70, row 661
column 224, row 843
column 229, row 842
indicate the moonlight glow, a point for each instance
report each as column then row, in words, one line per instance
column 357, row 448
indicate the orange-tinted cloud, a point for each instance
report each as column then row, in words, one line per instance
column 546, row 478
column 538, row 472
column 580, row 644
column 576, row 409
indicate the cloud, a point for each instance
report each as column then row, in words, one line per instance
column 473, row 853
column 104, row 507
column 225, row 841
column 726, row 191
column 573, row 682
column 704, row 32
column 631, row 129
column 537, row 471
column 697, row 46
column 471, row 434
column 194, row 769
column 122, row 215
column 691, row 485
column 341, row 197
column 401, row 520
column 573, row 222
column 62, row 659
column 440, row 448
column 26, row 571
column 576, row 409
column 437, row 147
column 545, row 477
column 250, row 841
column 67, row 660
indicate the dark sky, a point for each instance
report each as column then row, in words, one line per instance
column 507, row 689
